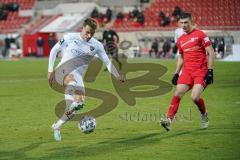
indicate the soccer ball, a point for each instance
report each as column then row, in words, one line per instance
column 87, row 124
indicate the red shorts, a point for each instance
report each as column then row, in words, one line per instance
column 190, row 77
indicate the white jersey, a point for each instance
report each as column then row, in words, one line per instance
column 74, row 46
column 178, row 33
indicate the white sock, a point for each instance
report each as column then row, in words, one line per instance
column 169, row 120
column 75, row 104
column 59, row 124
column 69, row 97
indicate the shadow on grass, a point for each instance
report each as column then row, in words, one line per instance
column 121, row 145
column 110, row 146
column 19, row 153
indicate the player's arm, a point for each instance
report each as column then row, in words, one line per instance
column 180, row 63
column 115, row 40
column 211, row 56
column 116, row 37
column 52, row 57
column 111, row 68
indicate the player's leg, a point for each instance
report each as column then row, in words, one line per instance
column 185, row 82
column 69, row 82
column 195, row 95
column 196, row 98
column 74, row 94
column 174, row 105
column 74, row 97
column 179, row 93
column 198, row 88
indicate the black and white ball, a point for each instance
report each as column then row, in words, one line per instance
column 87, row 124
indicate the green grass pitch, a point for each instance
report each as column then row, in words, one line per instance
column 127, row 132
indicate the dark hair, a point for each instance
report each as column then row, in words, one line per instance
column 91, row 23
column 186, row 15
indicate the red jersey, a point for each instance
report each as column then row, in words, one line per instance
column 192, row 46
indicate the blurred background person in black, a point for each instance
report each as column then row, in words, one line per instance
column 110, row 41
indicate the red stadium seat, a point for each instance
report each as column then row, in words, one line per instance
column 14, row 21
column 214, row 14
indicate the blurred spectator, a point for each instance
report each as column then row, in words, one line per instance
column 154, row 48
column 3, row 14
column 13, row 6
column 12, row 40
column 1, row 48
column 162, row 14
column 13, row 51
column 40, row 44
column 109, row 14
column 174, row 51
column 164, row 20
column 6, row 8
column 134, row 13
column 95, row 13
column 7, row 45
column 140, row 18
column 120, row 16
column 51, row 40
column 214, row 44
column 177, row 12
column 136, row 50
column 100, row 15
column 166, row 48
column 110, row 41
column 221, row 47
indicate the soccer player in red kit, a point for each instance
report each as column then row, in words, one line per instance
column 196, row 57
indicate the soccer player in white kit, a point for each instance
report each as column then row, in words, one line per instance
column 81, row 47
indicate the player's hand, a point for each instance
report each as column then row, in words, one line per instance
column 50, row 77
column 175, row 79
column 209, row 77
column 121, row 78
column 115, row 45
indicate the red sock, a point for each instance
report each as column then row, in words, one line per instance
column 173, row 108
column 201, row 105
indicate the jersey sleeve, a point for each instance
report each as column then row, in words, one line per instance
column 103, row 56
column 180, row 50
column 205, row 41
column 63, row 42
column 52, row 56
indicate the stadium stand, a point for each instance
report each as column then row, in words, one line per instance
column 214, row 14
column 35, row 18
column 12, row 21
column 39, row 23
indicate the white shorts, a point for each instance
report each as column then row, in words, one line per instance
column 61, row 73
column 78, row 78
column 72, row 88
